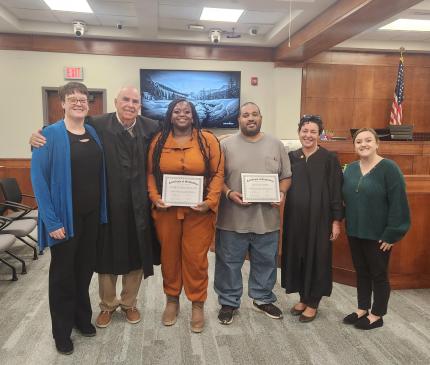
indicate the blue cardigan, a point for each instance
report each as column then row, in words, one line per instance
column 51, row 176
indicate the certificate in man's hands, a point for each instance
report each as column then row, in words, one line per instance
column 182, row 190
column 260, row 188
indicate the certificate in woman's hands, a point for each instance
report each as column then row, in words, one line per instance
column 260, row 188
column 182, row 190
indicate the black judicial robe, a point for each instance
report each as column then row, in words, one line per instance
column 313, row 201
column 128, row 242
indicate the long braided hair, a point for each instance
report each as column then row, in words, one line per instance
column 166, row 128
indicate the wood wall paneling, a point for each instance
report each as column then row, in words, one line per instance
column 19, row 168
column 413, row 158
column 350, row 94
column 134, row 48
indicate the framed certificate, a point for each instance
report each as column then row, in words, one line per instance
column 182, row 190
column 260, row 188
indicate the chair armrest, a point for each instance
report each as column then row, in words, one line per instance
column 4, row 221
column 18, row 205
column 15, row 207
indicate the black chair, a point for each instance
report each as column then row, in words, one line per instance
column 6, row 241
column 13, row 198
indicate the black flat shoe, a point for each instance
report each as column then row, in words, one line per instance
column 87, row 331
column 296, row 312
column 64, row 346
column 364, row 323
column 306, row 319
column 353, row 318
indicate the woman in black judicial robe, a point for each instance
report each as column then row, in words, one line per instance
column 312, row 216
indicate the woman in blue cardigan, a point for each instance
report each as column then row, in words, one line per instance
column 69, row 182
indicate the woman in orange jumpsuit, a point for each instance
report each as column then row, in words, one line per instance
column 185, row 233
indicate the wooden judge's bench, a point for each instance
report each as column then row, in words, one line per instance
column 410, row 259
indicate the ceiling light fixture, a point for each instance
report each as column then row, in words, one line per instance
column 76, row 6
column 221, row 15
column 196, row 27
column 417, row 25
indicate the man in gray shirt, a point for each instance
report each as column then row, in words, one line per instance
column 249, row 227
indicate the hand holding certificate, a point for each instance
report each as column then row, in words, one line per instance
column 182, row 190
column 260, row 188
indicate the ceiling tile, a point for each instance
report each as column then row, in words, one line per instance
column 114, row 8
column 110, row 20
column 180, row 12
column 34, row 15
column 70, row 17
column 25, row 4
column 260, row 17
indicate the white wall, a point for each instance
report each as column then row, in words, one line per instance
column 23, row 74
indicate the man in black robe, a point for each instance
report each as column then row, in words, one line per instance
column 312, row 215
column 127, row 245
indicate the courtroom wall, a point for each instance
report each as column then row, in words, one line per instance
column 353, row 90
column 24, row 73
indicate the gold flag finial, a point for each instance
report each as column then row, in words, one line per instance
column 402, row 49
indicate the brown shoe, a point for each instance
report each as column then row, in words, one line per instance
column 104, row 319
column 171, row 311
column 132, row 315
column 197, row 317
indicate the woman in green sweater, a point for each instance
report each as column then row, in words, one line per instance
column 377, row 216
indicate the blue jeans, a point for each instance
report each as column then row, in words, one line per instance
column 231, row 249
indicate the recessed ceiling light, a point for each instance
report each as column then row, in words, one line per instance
column 76, row 6
column 221, row 15
column 418, row 25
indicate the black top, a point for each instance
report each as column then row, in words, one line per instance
column 86, row 162
column 313, row 201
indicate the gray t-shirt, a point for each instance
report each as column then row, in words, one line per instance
column 265, row 156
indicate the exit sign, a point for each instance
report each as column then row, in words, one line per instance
column 73, row 73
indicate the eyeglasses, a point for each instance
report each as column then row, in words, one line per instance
column 76, row 101
column 309, row 117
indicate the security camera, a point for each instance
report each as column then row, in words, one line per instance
column 215, row 36
column 78, row 28
column 253, row 31
column 119, row 26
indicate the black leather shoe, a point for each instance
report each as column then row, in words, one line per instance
column 306, row 319
column 64, row 346
column 353, row 318
column 296, row 312
column 87, row 331
column 364, row 323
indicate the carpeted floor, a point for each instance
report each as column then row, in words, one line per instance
column 253, row 338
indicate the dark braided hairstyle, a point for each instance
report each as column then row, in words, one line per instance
column 166, row 128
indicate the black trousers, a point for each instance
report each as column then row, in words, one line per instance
column 70, row 273
column 371, row 266
column 312, row 302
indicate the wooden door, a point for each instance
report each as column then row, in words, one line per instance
column 55, row 112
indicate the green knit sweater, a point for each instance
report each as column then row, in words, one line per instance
column 376, row 204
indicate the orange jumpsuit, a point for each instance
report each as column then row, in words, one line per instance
column 186, row 235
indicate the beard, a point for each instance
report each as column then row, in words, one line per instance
column 250, row 133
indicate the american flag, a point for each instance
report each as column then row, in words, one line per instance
column 396, row 107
